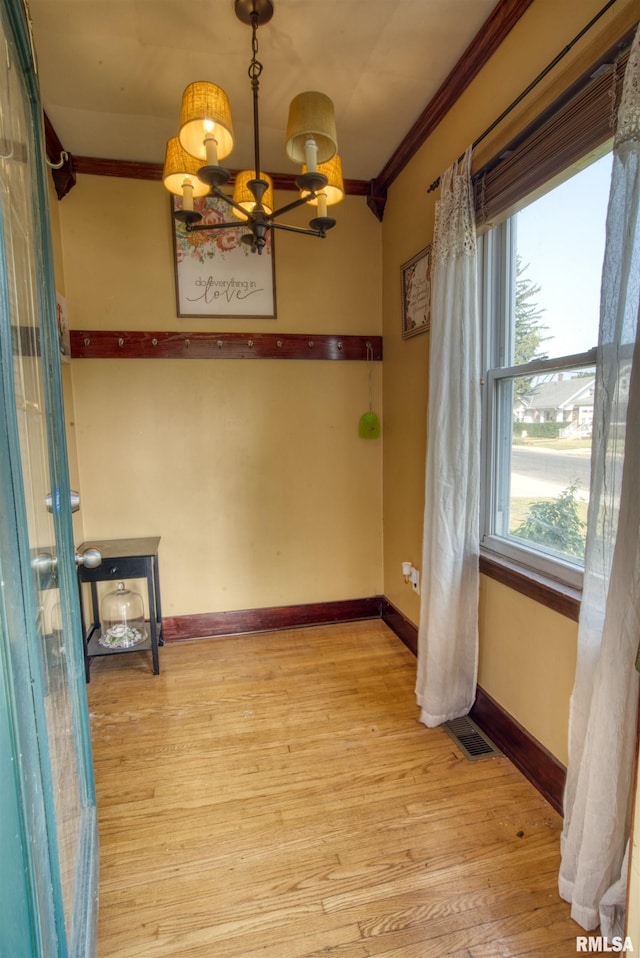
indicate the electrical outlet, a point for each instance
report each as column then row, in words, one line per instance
column 415, row 580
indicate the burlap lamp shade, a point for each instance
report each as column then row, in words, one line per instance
column 204, row 104
column 311, row 114
column 243, row 195
column 334, row 190
column 178, row 166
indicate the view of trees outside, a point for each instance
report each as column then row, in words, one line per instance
column 530, row 330
column 560, row 248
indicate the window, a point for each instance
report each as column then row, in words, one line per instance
column 540, row 301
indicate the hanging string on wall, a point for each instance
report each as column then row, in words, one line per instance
column 369, row 425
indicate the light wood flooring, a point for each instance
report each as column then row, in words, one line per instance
column 275, row 796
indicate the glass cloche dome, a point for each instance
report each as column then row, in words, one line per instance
column 122, row 615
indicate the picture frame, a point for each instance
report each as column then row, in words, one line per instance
column 416, row 294
column 216, row 274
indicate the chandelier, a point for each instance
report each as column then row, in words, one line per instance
column 205, row 137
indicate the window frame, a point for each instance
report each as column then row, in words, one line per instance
column 497, row 279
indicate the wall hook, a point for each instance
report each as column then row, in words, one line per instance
column 64, row 157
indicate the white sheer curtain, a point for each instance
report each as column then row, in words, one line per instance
column 604, row 701
column 448, row 634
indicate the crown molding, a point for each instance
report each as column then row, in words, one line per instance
column 131, row 169
column 499, row 24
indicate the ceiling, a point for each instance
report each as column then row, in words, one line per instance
column 112, row 71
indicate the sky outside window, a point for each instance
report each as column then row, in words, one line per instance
column 562, row 238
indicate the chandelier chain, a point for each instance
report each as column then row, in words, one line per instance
column 255, row 67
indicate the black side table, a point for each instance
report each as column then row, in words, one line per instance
column 122, row 559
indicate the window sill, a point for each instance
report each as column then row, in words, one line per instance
column 543, row 589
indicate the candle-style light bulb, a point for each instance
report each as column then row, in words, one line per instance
column 311, row 154
column 187, row 194
column 210, row 143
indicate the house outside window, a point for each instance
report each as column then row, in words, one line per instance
column 540, row 302
column 567, row 401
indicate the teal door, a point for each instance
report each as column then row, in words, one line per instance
column 48, row 832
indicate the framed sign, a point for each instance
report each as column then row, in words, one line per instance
column 216, row 273
column 416, row 294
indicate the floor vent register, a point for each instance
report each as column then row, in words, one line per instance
column 471, row 741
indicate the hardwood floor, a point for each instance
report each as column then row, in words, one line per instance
column 275, row 796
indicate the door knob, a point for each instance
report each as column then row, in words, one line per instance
column 44, row 563
column 90, row 558
column 74, row 499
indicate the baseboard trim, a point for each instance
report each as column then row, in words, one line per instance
column 403, row 627
column 535, row 762
column 246, row 621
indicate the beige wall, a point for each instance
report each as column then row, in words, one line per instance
column 252, row 472
column 527, row 655
column 527, row 662
column 118, row 265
